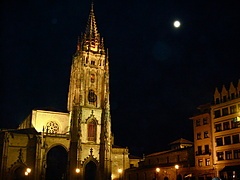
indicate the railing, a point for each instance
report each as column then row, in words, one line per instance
column 203, row 153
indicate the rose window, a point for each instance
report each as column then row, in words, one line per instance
column 52, row 127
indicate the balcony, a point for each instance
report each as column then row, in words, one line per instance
column 198, row 153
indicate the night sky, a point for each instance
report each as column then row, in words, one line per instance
column 159, row 74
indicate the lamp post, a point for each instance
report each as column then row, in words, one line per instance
column 176, row 167
column 77, row 170
column 120, row 173
column 157, row 172
column 27, row 172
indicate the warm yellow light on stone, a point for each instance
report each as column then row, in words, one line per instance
column 119, row 171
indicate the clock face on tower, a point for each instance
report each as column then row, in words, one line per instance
column 92, row 97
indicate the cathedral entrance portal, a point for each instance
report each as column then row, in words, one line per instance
column 90, row 171
column 18, row 174
column 56, row 163
column 165, row 178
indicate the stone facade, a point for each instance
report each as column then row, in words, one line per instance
column 77, row 144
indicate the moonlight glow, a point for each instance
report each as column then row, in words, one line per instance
column 176, row 24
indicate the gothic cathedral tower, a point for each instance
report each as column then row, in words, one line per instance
column 88, row 103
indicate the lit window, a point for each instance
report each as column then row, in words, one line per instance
column 200, row 162
column 198, row 135
column 235, row 122
column 218, row 127
column 228, row 155
column 205, row 120
column 207, row 161
column 206, row 134
column 220, row 156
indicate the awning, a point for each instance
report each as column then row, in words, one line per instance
column 231, row 168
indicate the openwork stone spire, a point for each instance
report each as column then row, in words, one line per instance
column 91, row 37
column 91, row 29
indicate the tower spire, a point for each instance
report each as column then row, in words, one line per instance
column 92, row 37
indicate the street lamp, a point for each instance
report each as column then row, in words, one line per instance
column 27, row 172
column 120, row 173
column 157, row 171
column 176, row 167
column 77, row 170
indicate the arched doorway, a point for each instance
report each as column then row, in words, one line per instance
column 179, row 177
column 56, row 163
column 19, row 173
column 165, row 178
column 90, row 171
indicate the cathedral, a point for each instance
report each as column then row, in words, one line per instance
column 77, row 144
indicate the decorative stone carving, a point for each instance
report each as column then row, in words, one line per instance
column 52, row 127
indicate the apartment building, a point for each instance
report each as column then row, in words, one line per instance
column 225, row 113
column 216, row 129
column 203, row 145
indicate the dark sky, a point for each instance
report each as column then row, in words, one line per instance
column 159, row 74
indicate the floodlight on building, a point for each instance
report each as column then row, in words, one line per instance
column 176, row 166
column 157, row 170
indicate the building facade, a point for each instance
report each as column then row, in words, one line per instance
column 216, row 148
column 217, row 135
column 77, row 144
column 203, row 145
column 176, row 163
column 225, row 113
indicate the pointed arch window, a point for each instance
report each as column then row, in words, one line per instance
column 92, row 78
column 92, row 128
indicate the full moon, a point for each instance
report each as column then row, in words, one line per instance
column 176, row 24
